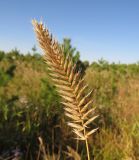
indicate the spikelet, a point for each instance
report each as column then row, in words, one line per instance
column 69, row 84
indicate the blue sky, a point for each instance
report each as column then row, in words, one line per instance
column 98, row 28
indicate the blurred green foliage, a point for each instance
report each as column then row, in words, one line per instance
column 30, row 107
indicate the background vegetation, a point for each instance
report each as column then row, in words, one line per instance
column 30, row 108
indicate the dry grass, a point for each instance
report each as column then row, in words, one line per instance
column 45, row 153
column 70, row 85
column 46, row 156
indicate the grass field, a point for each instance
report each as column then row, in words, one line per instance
column 30, row 108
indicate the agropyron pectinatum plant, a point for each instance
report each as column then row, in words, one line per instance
column 70, row 85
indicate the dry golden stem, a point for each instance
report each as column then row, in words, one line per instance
column 70, row 85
